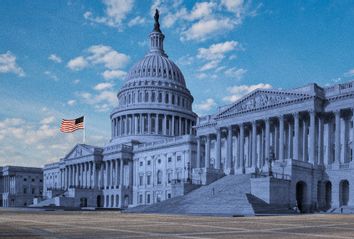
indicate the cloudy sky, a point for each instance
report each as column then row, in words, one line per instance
column 64, row 59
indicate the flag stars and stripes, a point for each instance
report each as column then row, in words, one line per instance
column 71, row 125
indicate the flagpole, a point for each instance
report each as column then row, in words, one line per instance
column 84, row 132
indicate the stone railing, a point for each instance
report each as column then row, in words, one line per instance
column 164, row 142
column 118, row 147
column 339, row 89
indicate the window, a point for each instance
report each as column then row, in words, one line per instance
column 141, row 179
column 159, row 177
column 33, row 190
column 160, row 97
column 179, row 158
column 166, row 98
column 169, row 177
column 141, row 163
column 169, row 195
column 148, row 179
column 148, row 198
column 169, row 159
column 140, row 198
column 159, row 161
column 148, row 162
column 24, row 190
column 25, row 179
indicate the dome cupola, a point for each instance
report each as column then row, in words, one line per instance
column 154, row 102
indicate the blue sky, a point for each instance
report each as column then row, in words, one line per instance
column 63, row 59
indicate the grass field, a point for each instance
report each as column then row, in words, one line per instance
column 108, row 224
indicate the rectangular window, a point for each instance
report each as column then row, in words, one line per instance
column 169, row 177
column 148, row 198
column 33, row 190
column 148, row 162
column 24, row 190
column 148, row 179
column 141, row 180
column 140, row 199
column 179, row 158
column 141, row 163
column 169, row 195
column 169, row 159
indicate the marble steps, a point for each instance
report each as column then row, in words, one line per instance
column 45, row 203
column 226, row 196
column 260, row 207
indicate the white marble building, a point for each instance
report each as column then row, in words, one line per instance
column 297, row 140
column 20, row 185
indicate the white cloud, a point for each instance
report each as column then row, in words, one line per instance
column 236, row 6
column 115, row 12
column 238, row 91
column 48, row 120
column 235, row 73
column 205, row 105
column 103, row 101
column 210, row 65
column 51, row 75
column 113, row 74
column 206, row 28
column 76, row 81
column 103, row 86
column 106, row 55
column 101, row 55
column 77, row 63
column 217, row 51
column 136, row 21
column 8, row 64
column 349, row 73
column 55, row 58
column 71, row 102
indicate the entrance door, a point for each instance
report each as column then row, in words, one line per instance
column 98, row 201
column 328, row 195
column 344, row 192
column 301, row 195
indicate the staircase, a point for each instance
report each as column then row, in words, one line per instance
column 44, row 203
column 226, row 196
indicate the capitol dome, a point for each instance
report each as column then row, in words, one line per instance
column 154, row 102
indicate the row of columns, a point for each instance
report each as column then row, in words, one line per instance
column 155, row 97
column 298, row 136
column 93, row 175
column 134, row 124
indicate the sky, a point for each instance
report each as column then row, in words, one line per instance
column 64, row 59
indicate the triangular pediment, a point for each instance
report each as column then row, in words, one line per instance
column 261, row 99
column 80, row 151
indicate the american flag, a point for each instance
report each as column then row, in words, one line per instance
column 68, row 126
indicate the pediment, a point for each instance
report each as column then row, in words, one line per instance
column 261, row 99
column 79, row 151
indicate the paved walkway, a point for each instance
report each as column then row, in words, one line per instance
column 107, row 224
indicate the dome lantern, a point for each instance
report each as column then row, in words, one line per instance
column 157, row 37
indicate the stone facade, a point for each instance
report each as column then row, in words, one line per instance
column 296, row 144
column 20, row 185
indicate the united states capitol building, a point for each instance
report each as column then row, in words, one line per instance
column 270, row 150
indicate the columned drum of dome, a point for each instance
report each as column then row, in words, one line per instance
column 154, row 102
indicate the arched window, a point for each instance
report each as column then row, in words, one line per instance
column 153, row 96
column 160, row 97
column 173, row 99
column 140, row 96
column 166, row 98
column 159, row 177
column 146, row 96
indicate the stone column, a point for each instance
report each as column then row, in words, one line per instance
column 267, row 138
column 198, row 153
column 218, row 149
column 296, row 134
column 149, row 123
column 121, row 173
column 229, row 149
column 112, row 174
column 254, row 144
column 173, row 125
column 312, row 157
column 304, row 141
column 320, row 154
column 126, row 125
column 290, row 140
column 117, row 173
column 337, row 137
column 180, row 126
column 207, row 151
column 156, row 123
column 281, row 137
column 242, row 146
column 164, row 125
column 94, row 175
column 136, row 124
column 89, row 176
